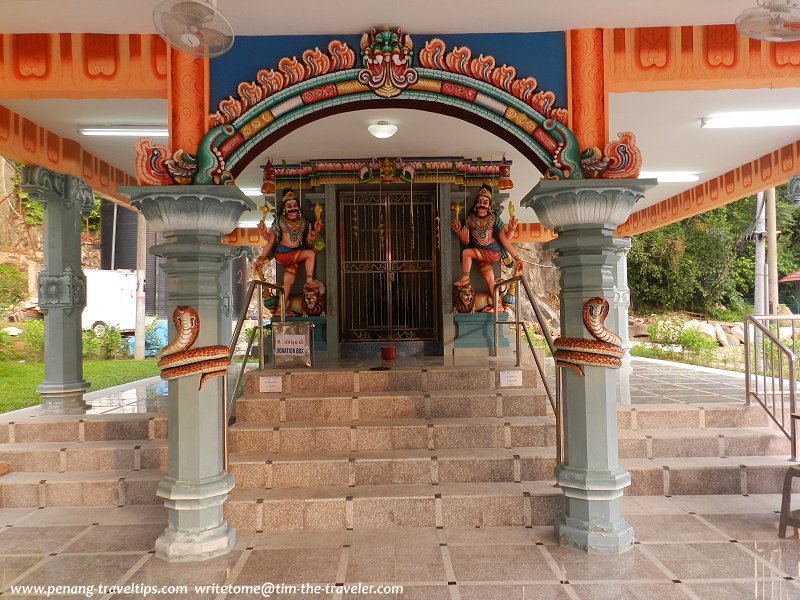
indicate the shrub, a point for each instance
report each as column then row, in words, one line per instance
column 7, row 349
column 108, row 346
column 13, row 286
column 692, row 341
column 665, row 332
column 33, row 339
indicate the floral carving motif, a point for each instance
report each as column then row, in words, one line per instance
column 435, row 56
column 290, row 71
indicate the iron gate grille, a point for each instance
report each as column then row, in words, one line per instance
column 389, row 277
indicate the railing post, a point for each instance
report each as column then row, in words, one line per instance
column 747, row 350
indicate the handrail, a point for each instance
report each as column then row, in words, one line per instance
column 555, row 399
column 248, row 298
column 777, row 382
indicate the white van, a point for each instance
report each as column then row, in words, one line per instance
column 110, row 300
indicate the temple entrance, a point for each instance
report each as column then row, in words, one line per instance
column 389, row 272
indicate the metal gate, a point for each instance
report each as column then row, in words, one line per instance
column 388, row 278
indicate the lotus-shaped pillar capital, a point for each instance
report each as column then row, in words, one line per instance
column 206, row 208
column 579, row 203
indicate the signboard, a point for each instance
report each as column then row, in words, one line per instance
column 270, row 384
column 510, row 378
column 291, row 344
column 287, row 344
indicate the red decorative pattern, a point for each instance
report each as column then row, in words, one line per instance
column 319, row 94
column 624, row 158
column 434, row 56
column 231, row 144
column 291, row 71
column 459, row 91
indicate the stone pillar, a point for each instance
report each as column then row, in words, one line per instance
column 619, row 308
column 62, row 286
column 584, row 214
column 193, row 220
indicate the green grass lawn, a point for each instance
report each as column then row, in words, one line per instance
column 18, row 380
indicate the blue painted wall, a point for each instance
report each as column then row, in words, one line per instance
column 538, row 55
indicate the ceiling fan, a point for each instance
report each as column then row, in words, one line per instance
column 771, row 20
column 195, row 27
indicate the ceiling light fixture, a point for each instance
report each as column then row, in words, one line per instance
column 252, row 192
column 765, row 118
column 670, row 176
column 382, row 129
column 126, row 130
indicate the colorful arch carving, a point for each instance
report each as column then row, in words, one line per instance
column 322, row 84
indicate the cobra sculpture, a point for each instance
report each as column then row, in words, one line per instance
column 179, row 359
column 604, row 351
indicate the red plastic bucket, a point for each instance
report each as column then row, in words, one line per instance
column 388, row 352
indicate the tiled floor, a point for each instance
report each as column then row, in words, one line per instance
column 687, row 547
column 699, row 547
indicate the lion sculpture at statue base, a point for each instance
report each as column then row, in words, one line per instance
column 311, row 303
column 466, row 300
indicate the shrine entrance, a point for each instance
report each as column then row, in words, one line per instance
column 389, row 268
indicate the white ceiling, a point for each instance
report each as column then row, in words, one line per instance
column 666, row 124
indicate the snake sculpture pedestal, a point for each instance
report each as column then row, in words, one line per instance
column 604, row 351
column 179, row 359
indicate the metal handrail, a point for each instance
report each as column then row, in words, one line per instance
column 554, row 398
column 771, row 384
column 248, row 298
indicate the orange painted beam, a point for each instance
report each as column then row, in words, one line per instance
column 587, row 96
column 244, row 236
column 710, row 57
column 24, row 141
column 82, row 65
column 188, row 101
column 769, row 171
column 532, row 232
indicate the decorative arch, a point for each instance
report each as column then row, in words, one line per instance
column 322, row 84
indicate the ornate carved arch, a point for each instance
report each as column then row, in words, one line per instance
column 321, row 84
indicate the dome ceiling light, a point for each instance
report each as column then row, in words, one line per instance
column 382, row 129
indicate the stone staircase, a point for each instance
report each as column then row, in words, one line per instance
column 90, row 460
column 438, row 446
column 401, row 447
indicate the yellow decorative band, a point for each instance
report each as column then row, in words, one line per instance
column 350, row 87
column 520, row 120
column 254, row 126
column 427, row 85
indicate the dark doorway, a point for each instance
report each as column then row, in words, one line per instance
column 389, row 282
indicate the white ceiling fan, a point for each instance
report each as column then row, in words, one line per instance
column 195, row 27
column 771, row 20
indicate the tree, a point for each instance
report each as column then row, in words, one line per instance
column 703, row 262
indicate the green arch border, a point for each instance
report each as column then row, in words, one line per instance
column 229, row 146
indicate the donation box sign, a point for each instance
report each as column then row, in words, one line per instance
column 291, row 344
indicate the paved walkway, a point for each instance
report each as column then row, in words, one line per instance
column 697, row 547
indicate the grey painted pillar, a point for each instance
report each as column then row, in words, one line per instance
column 193, row 220
column 62, row 286
column 584, row 214
column 619, row 308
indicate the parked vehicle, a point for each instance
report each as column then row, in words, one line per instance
column 110, row 300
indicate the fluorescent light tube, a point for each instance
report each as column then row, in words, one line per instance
column 766, row 118
column 127, row 131
column 670, row 176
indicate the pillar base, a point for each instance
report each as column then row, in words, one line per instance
column 63, row 399
column 196, row 529
column 591, row 519
column 191, row 546
column 611, row 537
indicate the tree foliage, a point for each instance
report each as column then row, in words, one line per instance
column 702, row 263
column 13, row 286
